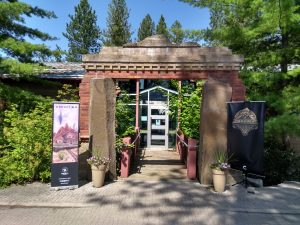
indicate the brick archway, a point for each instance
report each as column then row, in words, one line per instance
column 156, row 58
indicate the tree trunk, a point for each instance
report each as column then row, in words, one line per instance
column 284, row 59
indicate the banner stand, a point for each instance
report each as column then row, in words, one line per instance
column 245, row 137
column 65, row 146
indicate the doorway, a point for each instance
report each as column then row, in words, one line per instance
column 157, row 127
column 158, row 121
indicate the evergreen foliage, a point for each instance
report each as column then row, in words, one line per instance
column 82, row 32
column 267, row 33
column 161, row 27
column 176, row 33
column 147, row 28
column 118, row 28
column 20, row 54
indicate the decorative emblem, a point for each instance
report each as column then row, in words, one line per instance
column 64, row 171
column 245, row 120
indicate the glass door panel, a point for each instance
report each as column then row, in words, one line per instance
column 158, row 123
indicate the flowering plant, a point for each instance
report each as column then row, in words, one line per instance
column 98, row 160
column 221, row 160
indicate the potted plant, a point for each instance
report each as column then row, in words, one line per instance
column 219, row 168
column 98, row 165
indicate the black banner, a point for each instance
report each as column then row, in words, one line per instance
column 64, row 175
column 65, row 145
column 245, row 136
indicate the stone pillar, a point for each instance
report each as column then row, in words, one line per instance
column 213, row 125
column 102, row 121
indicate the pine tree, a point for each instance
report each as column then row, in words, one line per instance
column 176, row 33
column 82, row 32
column 146, row 29
column 20, row 55
column 267, row 33
column 161, row 27
column 118, row 28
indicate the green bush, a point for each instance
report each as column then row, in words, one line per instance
column 190, row 112
column 27, row 154
column 124, row 125
column 281, row 163
column 25, row 135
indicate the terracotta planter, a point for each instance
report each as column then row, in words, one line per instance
column 219, row 180
column 98, row 175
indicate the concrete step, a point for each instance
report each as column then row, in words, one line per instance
column 159, row 165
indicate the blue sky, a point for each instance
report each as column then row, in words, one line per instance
column 190, row 17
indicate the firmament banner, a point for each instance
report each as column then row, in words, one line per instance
column 65, row 145
column 245, row 136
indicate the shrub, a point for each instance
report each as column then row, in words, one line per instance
column 27, row 155
column 281, row 163
column 190, row 112
column 124, row 125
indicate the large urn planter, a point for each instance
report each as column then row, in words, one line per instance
column 98, row 175
column 219, row 180
column 219, row 168
column 98, row 165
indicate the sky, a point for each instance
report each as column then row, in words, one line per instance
column 189, row 17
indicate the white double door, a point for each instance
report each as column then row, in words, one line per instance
column 158, row 127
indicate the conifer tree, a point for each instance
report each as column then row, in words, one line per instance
column 176, row 33
column 19, row 55
column 118, row 28
column 267, row 34
column 82, row 32
column 146, row 29
column 161, row 27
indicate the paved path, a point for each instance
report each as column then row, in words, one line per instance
column 149, row 202
column 159, row 194
column 159, row 165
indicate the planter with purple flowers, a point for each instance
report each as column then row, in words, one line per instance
column 98, row 165
column 219, row 168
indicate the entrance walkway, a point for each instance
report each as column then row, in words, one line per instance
column 159, row 165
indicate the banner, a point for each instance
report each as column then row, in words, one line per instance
column 65, row 145
column 245, row 136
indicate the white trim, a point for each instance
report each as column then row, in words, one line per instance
column 159, row 87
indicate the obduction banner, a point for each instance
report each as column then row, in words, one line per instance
column 245, row 136
column 65, row 145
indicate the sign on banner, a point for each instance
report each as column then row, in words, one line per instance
column 245, row 136
column 65, row 145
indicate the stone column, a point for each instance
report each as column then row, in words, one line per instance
column 213, row 125
column 102, row 121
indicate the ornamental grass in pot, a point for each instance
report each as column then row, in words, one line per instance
column 219, row 168
column 98, row 165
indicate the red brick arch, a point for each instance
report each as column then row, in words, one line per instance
column 227, row 76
